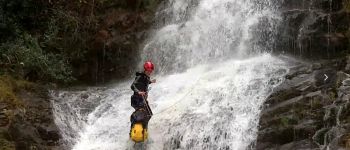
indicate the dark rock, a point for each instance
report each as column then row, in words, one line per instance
column 281, row 94
column 345, row 98
column 283, row 105
column 24, row 135
column 314, row 107
column 84, row 96
column 326, row 78
column 31, row 127
column 48, row 133
column 333, row 136
column 341, row 76
column 316, row 66
column 296, row 83
column 281, row 136
column 300, row 145
column 313, row 29
column 314, row 94
column 347, row 67
column 4, row 120
column 346, row 82
column 344, row 89
column 3, row 106
column 113, row 48
column 297, row 70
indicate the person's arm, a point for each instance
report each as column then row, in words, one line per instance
column 135, row 89
column 152, row 81
column 133, row 85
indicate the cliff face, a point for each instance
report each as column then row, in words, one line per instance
column 310, row 110
column 115, row 46
column 314, row 29
column 112, row 33
column 112, row 42
column 26, row 120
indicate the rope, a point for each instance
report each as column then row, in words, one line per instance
column 178, row 101
column 147, row 106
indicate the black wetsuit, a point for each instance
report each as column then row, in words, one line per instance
column 139, row 85
column 137, row 102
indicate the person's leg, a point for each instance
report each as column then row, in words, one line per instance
column 131, row 123
column 137, row 102
column 132, row 120
column 133, row 101
column 146, row 120
column 145, row 124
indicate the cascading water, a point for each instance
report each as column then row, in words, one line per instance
column 211, row 82
column 215, row 30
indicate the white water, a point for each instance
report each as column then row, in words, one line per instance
column 215, row 30
column 209, row 92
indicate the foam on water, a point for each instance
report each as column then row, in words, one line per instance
column 207, row 107
column 213, row 76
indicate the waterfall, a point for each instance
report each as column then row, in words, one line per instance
column 211, row 31
column 213, row 71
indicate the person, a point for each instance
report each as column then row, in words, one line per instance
column 139, row 98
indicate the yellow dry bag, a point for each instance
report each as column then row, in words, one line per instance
column 138, row 134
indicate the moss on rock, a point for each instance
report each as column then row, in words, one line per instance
column 8, row 88
column 7, row 92
column 5, row 144
column 347, row 5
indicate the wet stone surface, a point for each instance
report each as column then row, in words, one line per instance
column 310, row 110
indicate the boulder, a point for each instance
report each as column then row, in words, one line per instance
column 308, row 110
column 31, row 126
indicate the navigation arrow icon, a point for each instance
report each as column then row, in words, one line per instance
column 326, row 77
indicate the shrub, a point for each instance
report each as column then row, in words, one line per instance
column 8, row 88
column 25, row 58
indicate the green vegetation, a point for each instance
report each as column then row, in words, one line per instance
column 347, row 5
column 8, row 89
column 50, row 41
column 26, row 51
column 24, row 57
column 347, row 9
column 6, row 145
column 285, row 121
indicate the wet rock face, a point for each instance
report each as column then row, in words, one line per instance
column 29, row 127
column 115, row 46
column 314, row 29
column 310, row 110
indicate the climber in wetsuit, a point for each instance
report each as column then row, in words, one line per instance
column 139, row 98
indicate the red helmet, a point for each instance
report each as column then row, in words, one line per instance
column 148, row 66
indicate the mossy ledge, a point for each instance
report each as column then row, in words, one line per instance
column 26, row 120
